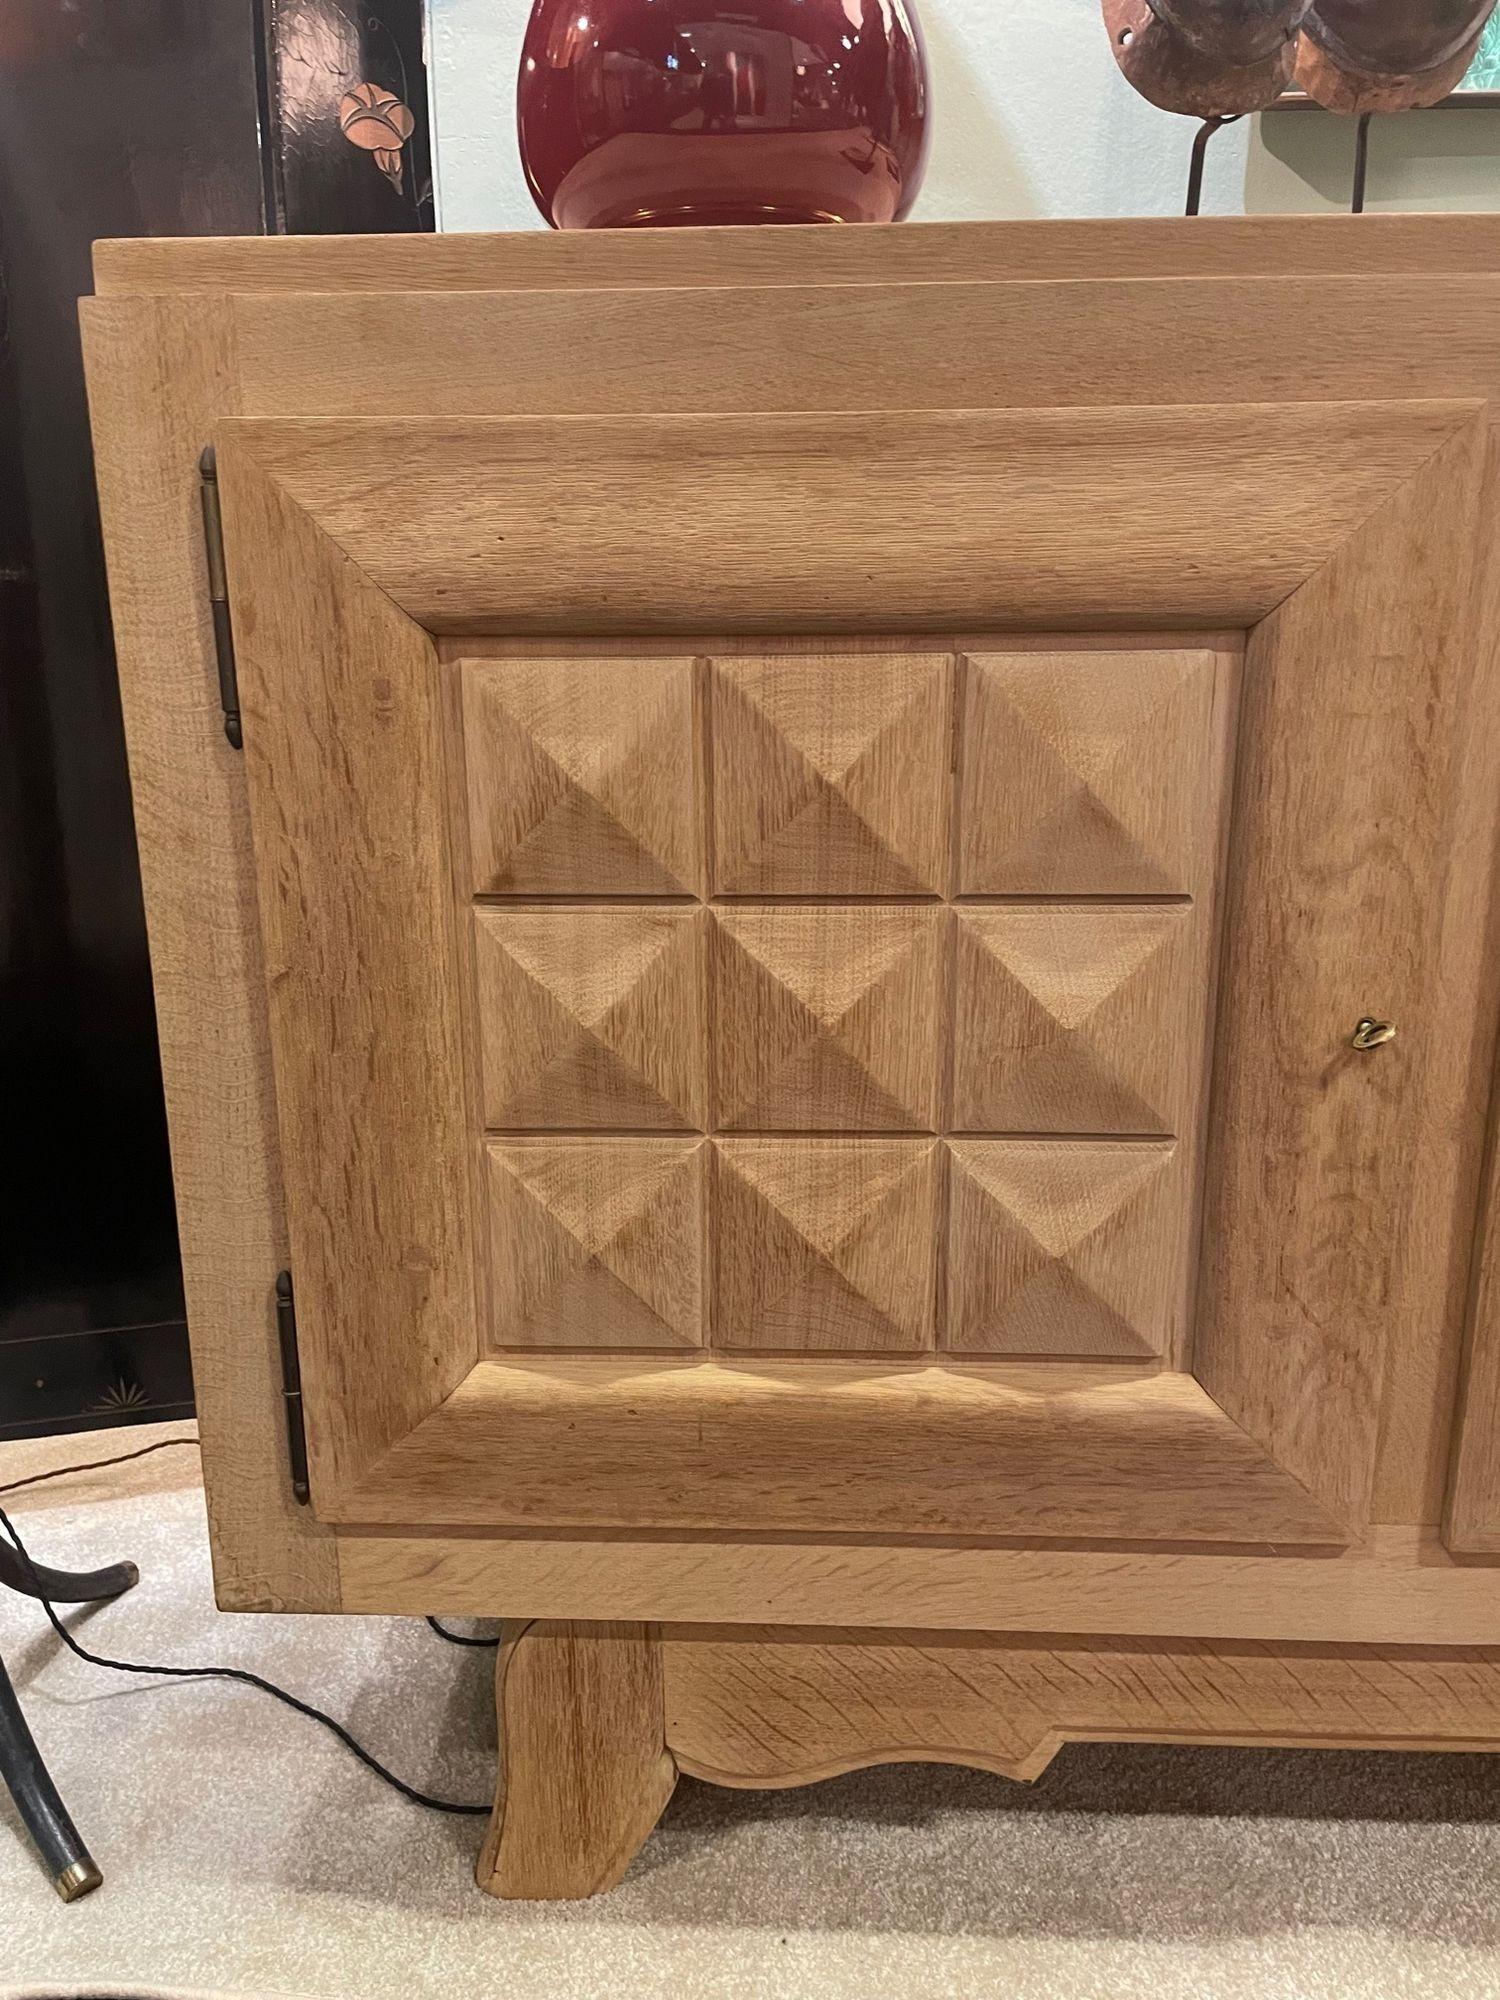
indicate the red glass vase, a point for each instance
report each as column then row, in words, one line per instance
column 643, row 113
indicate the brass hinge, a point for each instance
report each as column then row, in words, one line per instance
column 291, row 1384
column 218, row 596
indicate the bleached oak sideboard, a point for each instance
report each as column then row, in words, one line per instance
column 823, row 919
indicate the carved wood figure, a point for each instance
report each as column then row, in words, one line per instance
column 1388, row 55
column 1221, row 58
column 1208, row 58
column 853, row 1024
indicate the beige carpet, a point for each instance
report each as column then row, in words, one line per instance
column 245, row 1853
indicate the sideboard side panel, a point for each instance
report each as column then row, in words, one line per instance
column 161, row 372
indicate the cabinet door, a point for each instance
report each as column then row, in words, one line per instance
column 840, row 1022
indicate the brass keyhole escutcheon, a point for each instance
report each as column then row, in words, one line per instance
column 1372, row 1034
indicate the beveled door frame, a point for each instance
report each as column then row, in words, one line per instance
column 1313, row 524
column 185, row 333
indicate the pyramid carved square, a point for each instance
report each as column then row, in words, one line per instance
column 827, row 1019
column 1077, row 1018
column 592, row 1017
column 582, row 776
column 1069, row 1247
column 597, row 1243
column 825, row 1246
column 831, row 775
column 1087, row 773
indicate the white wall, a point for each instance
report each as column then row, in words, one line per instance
column 1031, row 117
column 1302, row 162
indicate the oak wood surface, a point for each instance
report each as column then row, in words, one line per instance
column 1075, row 1248
column 1088, row 774
column 773, row 1706
column 345, row 761
column 592, row 1016
column 1336, row 1176
column 584, row 1769
column 1419, row 1388
column 582, row 776
column 826, row 1245
column 596, row 1721
column 1472, row 1522
column 1080, row 1017
column 1400, row 1586
column 160, row 373
column 1054, row 1450
column 831, row 777
column 1227, row 641
column 1185, row 514
column 1362, row 335
column 830, row 1019
column 597, row 1243
column 930, row 252
column 1114, row 341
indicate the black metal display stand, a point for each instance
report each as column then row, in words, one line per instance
column 72, row 1868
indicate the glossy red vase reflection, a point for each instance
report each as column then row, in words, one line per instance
column 651, row 112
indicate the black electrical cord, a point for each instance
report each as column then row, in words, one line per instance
column 95, row 1464
column 245, row 1679
column 166, row 1444
column 459, row 1638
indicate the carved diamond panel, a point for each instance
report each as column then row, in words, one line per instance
column 831, row 775
column 934, row 1043
column 827, row 1019
column 1077, row 1018
column 1065, row 1247
column 1087, row 773
column 592, row 1017
column 597, row 1242
column 825, row 1245
column 582, row 776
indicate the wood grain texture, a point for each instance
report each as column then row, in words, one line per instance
column 826, row 1245
column 584, row 1769
column 925, row 252
column 1399, row 1587
column 344, row 734
column 1297, row 340
column 1174, row 515
column 829, row 347
column 1472, row 1523
column 597, row 1243
column 583, row 776
column 1418, row 1400
column 770, row 1707
column 1223, row 640
column 829, row 1019
column 159, row 373
column 1087, row 774
column 592, row 1017
column 1074, row 1248
column 1080, row 1017
column 831, row 776
column 1337, row 1177
column 1051, row 1450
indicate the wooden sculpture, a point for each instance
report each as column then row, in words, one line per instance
column 1207, row 58
column 1221, row 58
column 1388, row 55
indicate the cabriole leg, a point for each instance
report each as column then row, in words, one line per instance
column 584, row 1768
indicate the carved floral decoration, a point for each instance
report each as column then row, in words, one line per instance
column 375, row 120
